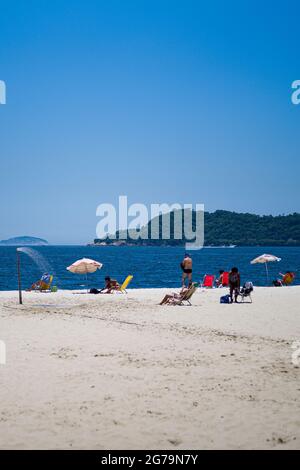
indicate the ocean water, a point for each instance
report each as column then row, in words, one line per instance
column 150, row 266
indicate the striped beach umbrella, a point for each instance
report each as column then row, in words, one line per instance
column 265, row 259
column 84, row 266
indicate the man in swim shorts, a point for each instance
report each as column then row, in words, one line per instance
column 187, row 268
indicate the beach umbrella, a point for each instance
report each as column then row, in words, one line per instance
column 84, row 266
column 265, row 259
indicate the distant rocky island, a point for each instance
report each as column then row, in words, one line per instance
column 221, row 229
column 24, row 241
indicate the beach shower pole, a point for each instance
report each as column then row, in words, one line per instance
column 19, row 277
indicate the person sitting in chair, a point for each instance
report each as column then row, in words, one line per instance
column 286, row 280
column 219, row 281
column 168, row 297
column 43, row 283
column 110, row 285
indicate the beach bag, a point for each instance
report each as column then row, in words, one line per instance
column 225, row 299
column 94, row 291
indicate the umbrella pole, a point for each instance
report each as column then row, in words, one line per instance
column 19, row 278
column 267, row 272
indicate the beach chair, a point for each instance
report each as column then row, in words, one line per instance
column 123, row 287
column 208, row 281
column 185, row 298
column 225, row 279
column 288, row 279
column 44, row 286
column 246, row 291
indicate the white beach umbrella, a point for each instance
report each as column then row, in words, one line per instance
column 84, row 266
column 265, row 259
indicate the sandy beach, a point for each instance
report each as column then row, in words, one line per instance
column 120, row 372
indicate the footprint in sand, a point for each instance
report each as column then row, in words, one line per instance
column 175, row 442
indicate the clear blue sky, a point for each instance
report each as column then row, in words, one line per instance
column 164, row 101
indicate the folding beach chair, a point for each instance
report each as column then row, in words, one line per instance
column 208, row 281
column 123, row 287
column 46, row 286
column 43, row 285
column 246, row 291
column 184, row 298
column 288, row 279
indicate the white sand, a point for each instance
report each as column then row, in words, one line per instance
column 117, row 371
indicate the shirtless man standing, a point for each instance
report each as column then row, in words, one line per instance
column 187, row 268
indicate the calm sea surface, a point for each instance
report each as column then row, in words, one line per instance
column 150, row 266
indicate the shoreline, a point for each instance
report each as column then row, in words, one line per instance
column 83, row 290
